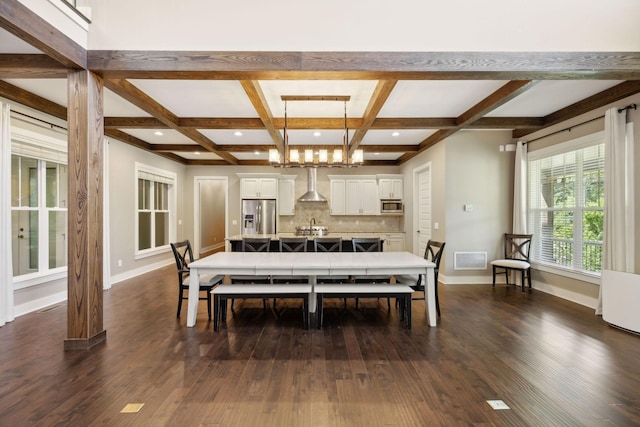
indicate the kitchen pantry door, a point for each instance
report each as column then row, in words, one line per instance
column 210, row 214
column 422, row 208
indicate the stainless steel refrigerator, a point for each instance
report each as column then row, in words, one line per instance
column 258, row 216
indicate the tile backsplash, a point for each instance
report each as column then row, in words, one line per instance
column 338, row 223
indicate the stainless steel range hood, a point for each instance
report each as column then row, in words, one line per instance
column 312, row 194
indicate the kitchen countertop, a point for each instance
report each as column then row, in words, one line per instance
column 344, row 235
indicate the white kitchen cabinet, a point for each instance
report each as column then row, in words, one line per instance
column 393, row 242
column 286, row 196
column 337, row 197
column 390, row 188
column 259, row 188
column 361, row 197
column 354, row 196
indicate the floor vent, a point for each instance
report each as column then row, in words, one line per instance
column 48, row 309
column 470, row 261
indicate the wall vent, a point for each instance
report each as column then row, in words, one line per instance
column 470, row 261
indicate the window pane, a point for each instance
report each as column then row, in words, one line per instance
column 162, row 228
column 144, row 230
column 28, row 182
column 57, row 239
column 24, row 242
column 15, row 181
column 161, row 196
column 63, row 185
column 51, row 185
column 144, row 194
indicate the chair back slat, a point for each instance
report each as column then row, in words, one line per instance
column 183, row 254
column 517, row 246
column 327, row 244
column 293, row 244
column 256, row 244
column 366, row 244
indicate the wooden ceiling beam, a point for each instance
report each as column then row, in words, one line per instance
column 29, row 99
column 141, row 100
column 499, row 97
column 599, row 100
column 248, row 65
column 30, row 66
column 256, row 96
column 133, row 123
column 138, row 143
column 20, row 21
column 380, row 94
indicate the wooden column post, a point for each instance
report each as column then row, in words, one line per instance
column 85, row 281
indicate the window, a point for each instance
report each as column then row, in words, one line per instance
column 155, row 209
column 566, row 201
column 38, row 215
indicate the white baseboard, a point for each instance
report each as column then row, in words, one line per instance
column 581, row 299
column 39, row 303
column 130, row 274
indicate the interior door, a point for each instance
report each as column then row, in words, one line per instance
column 422, row 214
column 210, row 223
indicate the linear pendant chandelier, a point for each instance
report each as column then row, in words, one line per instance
column 321, row 157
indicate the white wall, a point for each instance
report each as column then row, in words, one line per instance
column 377, row 25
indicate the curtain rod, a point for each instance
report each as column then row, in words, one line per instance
column 52, row 125
column 620, row 110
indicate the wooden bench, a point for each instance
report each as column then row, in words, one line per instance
column 366, row 290
column 223, row 292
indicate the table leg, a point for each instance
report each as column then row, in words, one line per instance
column 430, row 296
column 312, row 296
column 192, row 302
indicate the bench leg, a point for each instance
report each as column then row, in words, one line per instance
column 305, row 312
column 216, row 312
column 319, row 311
column 408, row 310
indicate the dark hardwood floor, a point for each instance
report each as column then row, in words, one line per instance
column 552, row 362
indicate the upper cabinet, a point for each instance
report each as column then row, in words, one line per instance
column 286, row 195
column 259, row 188
column 353, row 195
column 390, row 186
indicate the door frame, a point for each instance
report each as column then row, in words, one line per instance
column 196, row 209
column 416, row 204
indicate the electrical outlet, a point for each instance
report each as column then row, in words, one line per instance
column 119, row 263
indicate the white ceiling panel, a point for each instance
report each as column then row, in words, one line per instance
column 403, row 137
column 199, row 98
column 229, row 137
column 115, row 106
column 360, row 92
column 169, row 136
column 260, row 155
column 200, row 155
column 308, row 137
column 382, row 156
column 54, row 90
column 548, row 96
column 12, row 44
column 437, row 98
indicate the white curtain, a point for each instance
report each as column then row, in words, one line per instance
column 6, row 268
column 618, row 235
column 520, row 189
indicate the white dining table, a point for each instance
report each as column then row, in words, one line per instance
column 312, row 264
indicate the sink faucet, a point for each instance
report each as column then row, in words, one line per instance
column 312, row 222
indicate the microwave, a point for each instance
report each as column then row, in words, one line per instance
column 390, row 206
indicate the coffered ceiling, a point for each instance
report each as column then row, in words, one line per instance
column 224, row 108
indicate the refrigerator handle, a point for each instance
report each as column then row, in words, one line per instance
column 259, row 218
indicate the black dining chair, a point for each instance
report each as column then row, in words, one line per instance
column 252, row 244
column 433, row 252
column 516, row 258
column 330, row 244
column 291, row 244
column 369, row 244
column 184, row 255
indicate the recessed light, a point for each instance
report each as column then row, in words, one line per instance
column 395, row 134
column 376, row 154
column 257, row 153
column 158, row 133
column 317, row 133
column 197, row 153
column 237, row 133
